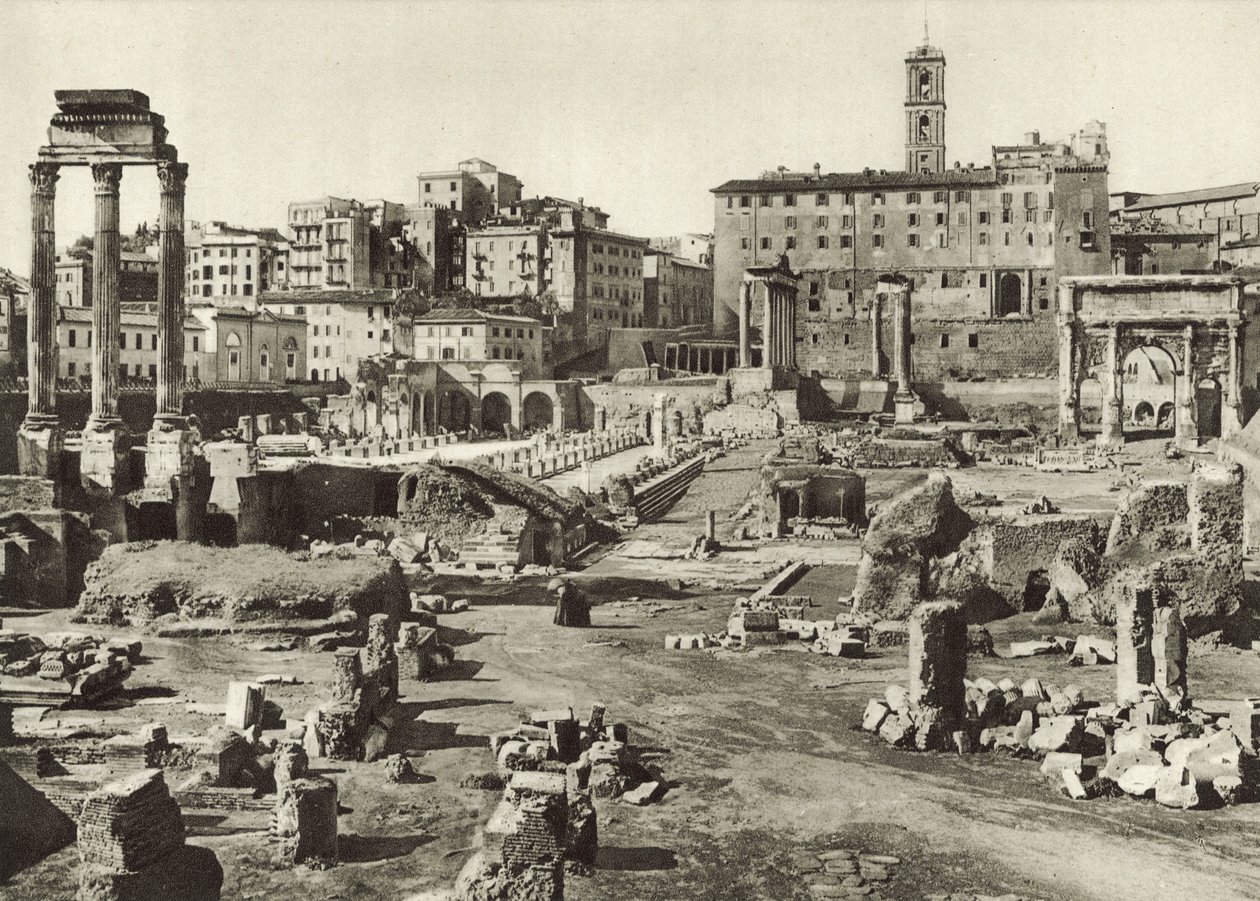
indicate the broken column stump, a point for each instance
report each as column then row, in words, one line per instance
column 304, row 822
column 131, row 846
column 380, row 659
column 938, row 667
column 347, row 675
column 1150, row 647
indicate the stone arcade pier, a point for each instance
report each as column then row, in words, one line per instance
column 107, row 130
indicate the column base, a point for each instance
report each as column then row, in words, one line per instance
column 104, row 468
column 903, row 407
column 40, row 442
column 1069, row 432
column 168, row 457
column 1111, row 437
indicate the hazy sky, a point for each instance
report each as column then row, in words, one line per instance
column 638, row 107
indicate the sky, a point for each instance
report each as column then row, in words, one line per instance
column 638, row 107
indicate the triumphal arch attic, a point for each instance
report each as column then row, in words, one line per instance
column 1188, row 332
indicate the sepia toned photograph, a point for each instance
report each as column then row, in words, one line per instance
column 630, row 450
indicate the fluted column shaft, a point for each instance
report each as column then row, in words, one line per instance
column 767, row 330
column 745, row 311
column 106, row 256
column 901, row 337
column 170, row 320
column 877, row 365
column 41, row 346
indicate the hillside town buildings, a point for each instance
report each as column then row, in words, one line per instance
column 1223, row 221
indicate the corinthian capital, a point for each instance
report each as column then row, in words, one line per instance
column 44, row 177
column 107, row 177
column 172, row 176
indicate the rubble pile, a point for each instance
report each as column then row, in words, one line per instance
column 1151, row 743
column 594, row 754
column 355, row 723
column 64, row 667
column 157, row 583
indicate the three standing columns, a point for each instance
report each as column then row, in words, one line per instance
column 40, row 436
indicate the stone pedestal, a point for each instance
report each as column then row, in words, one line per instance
column 1135, row 664
column 903, row 405
column 938, row 667
column 304, row 824
column 103, row 467
column 40, row 442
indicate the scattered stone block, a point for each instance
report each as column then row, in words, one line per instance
column 643, row 794
column 245, row 704
column 1176, row 788
column 1073, row 786
column 1060, row 733
column 1141, row 779
column 1056, row 761
column 876, row 712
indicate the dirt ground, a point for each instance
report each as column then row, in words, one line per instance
column 761, row 752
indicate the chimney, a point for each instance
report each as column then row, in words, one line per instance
column 817, row 170
column 957, row 165
column 1032, row 137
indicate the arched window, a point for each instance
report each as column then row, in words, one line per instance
column 233, row 342
column 925, row 128
column 925, row 85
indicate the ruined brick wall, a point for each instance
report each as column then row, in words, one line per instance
column 1015, row 548
column 941, row 348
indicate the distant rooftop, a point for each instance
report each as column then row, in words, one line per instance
column 1202, row 195
column 471, row 315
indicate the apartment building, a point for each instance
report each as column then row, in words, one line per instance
column 477, row 336
column 677, row 291
column 137, row 342
column 342, row 327
column 229, row 265
column 474, row 188
column 348, row 245
column 137, row 277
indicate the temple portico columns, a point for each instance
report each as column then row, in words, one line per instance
column 1186, row 429
column 1112, row 434
column 106, row 259
column 1231, row 421
column 103, row 463
column 767, row 330
column 1069, row 384
column 170, row 320
column 877, row 365
column 745, row 313
column 903, row 399
column 791, row 331
column 40, row 436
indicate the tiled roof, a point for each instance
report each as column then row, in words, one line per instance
column 1202, row 195
column 84, row 314
column 315, row 295
column 848, row 181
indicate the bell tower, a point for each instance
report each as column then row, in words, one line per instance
column 925, row 109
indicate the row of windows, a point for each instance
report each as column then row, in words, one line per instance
column 1031, row 199
column 72, row 340
column 613, row 250
column 223, row 252
column 823, row 242
column 428, row 187
column 225, row 289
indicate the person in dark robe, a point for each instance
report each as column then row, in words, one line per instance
column 572, row 609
